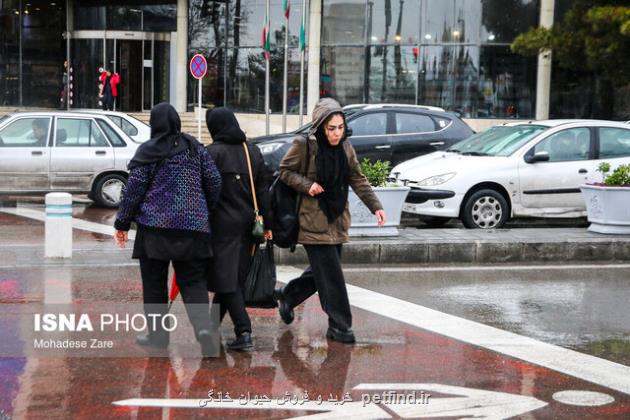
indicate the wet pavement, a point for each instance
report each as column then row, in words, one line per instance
column 457, row 341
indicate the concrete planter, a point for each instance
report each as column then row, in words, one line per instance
column 607, row 208
column 364, row 222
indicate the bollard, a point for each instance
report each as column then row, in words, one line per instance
column 58, row 225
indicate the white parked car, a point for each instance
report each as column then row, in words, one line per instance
column 530, row 169
column 133, row 127
column 76, row 152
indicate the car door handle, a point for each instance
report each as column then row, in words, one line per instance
column 100, row 152
column 582, row 171
column 387, row 146
column 37, row 153
column 436, row 143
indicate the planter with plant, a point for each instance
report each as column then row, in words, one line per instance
column 391, row 195
column 606, row 202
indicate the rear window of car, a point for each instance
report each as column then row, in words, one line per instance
column 413, row 123
column 614, row 142
column 113, row 136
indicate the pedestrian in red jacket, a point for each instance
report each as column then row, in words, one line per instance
column 109, row 88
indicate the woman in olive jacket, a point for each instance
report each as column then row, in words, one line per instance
column 324, row 217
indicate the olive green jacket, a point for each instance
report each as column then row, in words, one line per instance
column 314, row 226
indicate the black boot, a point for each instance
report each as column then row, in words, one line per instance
column 342, row 336
column 243, row 342
column 286, row 311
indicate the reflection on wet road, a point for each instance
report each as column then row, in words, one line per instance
column 577, row 307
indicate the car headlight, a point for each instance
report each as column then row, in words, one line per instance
column 436, row 180
column 266, row 148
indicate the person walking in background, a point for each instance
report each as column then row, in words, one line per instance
column 232, row 220
column 324, row 217
column 172, row 188
column 109, row 88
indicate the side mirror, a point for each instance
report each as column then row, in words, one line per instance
column 348, row 132
column 541, row 156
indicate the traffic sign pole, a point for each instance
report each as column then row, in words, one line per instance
column 199, row 114
column 198, row 68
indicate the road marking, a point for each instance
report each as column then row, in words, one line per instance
column 483, row 268
column 468, row 402
column 76, row 223
column 583, row 398
column 589, row 368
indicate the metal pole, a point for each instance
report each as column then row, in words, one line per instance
column 285, row 89
column 267, row 76
column 20, row 73
column 225, row 54
column 543, row 77
column 301, row 111
column 199, row 113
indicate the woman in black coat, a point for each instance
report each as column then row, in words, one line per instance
column 232, row 219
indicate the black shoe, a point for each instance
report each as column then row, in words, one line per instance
column 286, row 311
column 243, row 342
column 153, row 340
column 209, row 343
column 342, row 336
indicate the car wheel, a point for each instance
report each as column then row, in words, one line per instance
column 108, row 190
column 485, row 209
column 435, row 221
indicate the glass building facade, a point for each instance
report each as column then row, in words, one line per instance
column 449, row 53
column 236, row 61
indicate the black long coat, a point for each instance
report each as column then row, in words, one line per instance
column 233, row 217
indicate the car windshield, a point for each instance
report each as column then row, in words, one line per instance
column 497, row 141
column 4, row 117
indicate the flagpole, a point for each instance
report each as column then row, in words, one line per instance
column 285, row 88
column 267, row 58
column 302, row 49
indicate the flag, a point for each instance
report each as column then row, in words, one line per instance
column 265, row 38
column 287, row 8
column 302, row 37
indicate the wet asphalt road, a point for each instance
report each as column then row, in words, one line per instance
column 583, row 308
column 576, row 307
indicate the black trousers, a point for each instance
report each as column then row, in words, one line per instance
column 191, row 280
column 234, row 304
column 324, row 276
column 108, row 102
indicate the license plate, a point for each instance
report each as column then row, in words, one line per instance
column 411, row 208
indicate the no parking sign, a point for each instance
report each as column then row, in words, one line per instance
column 198, row 66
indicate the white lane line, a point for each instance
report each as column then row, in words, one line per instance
column 76, row 223
column 589, row 368
column 483, row 268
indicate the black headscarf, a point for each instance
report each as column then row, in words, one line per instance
column 223, row 126
column 332, row 174
column 167, row 140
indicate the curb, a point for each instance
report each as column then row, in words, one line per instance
column 479, row 252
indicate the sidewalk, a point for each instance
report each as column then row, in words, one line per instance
column 453, row 245
column 23, row 245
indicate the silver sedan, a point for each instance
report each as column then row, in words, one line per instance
column 75, row 152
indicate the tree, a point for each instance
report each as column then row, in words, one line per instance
column 594, row 36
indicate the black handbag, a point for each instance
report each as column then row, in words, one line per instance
column 261, row 279
column 285, row 210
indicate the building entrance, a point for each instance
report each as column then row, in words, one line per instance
column 142, row 59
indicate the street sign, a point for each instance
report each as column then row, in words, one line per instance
column 198, row 66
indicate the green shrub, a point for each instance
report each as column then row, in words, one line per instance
column 375, row 172
column 620, row 176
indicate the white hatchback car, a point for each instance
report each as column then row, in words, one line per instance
column 530, row 169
